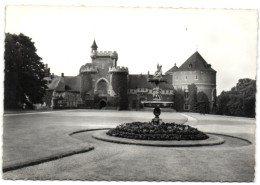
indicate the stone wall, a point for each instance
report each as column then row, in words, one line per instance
column 86, row 85
column 196, row 77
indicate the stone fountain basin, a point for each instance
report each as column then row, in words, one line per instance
column 160, row 104
column 212, row 140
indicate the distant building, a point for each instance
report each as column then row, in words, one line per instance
column 195, row 70
column 103, row 84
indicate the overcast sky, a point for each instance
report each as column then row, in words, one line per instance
column 143, row 37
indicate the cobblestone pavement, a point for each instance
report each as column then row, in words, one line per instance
column 27, row 136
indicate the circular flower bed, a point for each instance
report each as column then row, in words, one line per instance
column 164, row 131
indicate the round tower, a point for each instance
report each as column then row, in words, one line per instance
column 118, row 87
column 195, row 70
column 86, row 88
column 114, row 57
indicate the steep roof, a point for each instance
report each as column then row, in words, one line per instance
column 73, row 82
column 195, row 62
column 66, row 83
column 94, row 45
column 174, row 68
column 141, row 81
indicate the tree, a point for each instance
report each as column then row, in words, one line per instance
column 222, row 102
column 240, row 100
column 24, row 72
column 192, row 97
column 179, row 100
column 203, row 103
column 247, row 90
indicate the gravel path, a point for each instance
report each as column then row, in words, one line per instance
column 32, row 136
column 110, row 161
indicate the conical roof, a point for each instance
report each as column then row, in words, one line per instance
column 195, row 62
column 94, row 45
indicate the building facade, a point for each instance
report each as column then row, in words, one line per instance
column 103, row 84
column 195, row 70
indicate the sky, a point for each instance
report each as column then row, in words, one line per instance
column 143, row 37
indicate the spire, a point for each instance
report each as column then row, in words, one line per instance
column 94, row 45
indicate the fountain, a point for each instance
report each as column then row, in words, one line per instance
column 157, row 102
column 157, row 129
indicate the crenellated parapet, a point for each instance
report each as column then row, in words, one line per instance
column 88, row 69
column 111, row 54
column 118, row 69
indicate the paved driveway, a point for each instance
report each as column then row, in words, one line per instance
column 35, row 136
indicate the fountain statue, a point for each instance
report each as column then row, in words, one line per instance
column 157, row 129
column 157, row 101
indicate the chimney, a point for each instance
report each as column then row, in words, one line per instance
column 62, row 74
column 52, row 75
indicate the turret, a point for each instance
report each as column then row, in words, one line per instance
column 88, row 68
column 114, row 57
column 118, row 86
column 94, row 46
column 118, row 70
column 86, row 73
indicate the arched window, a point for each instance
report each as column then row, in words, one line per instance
column 102, row 87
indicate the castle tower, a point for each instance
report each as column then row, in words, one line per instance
column 103, row 83
column 103, row 59
column 86, row 87
column 195, row 70
column 118, row 87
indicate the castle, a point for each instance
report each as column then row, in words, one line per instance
column 103, row 84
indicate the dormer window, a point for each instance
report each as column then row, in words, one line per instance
column 190, row 65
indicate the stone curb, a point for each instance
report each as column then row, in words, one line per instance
column 213, row 140
column 56, row 156
column 218, row 115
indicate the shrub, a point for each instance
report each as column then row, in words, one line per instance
column 164, row 131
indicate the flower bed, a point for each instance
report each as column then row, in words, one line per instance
column 164, row 131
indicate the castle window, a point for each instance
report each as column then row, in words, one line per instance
column 190, row 65
column 186, row 77
column 186, row 106
column 196, row 77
